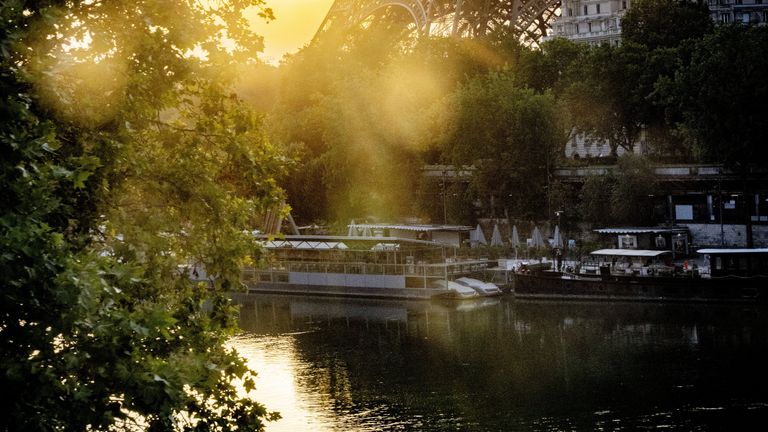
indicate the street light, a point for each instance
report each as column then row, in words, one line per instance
column 445, row 212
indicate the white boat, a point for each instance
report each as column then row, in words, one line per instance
column 357, row 266
column 454, row 290
column 486, row 289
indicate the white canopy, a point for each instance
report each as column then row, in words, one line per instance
column 536, row 239
column 515, row 240
column 496, row 237
column 630, row 252
column 557, row 241
column 732, row 251
column 477, row 236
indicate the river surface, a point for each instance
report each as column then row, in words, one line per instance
column 506, row 365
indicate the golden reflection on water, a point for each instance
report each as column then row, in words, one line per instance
column 279, row 370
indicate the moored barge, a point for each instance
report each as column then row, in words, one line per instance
column 729, row 275
column 362, row 266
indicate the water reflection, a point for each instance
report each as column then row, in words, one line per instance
column 364, row 365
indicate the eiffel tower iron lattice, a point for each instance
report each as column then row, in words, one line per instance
column 530, row 19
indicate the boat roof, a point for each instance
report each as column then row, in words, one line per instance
column 352, row 239
column 643, row 230
column 630, row 252
column 413, row 227
column 304, row 244
column 715, row 251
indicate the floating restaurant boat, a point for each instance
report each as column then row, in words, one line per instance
column 729, row 275
column 362, row 266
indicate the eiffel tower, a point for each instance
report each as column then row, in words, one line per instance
column 529, row 19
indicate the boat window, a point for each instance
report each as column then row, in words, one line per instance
column 265, row 277
column 282, row 277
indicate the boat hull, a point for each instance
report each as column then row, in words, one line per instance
column 554, row 286
column 349, row 291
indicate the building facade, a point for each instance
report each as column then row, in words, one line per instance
column 596, row 22
column 593, row 22
column 739, row 11
column 713, row 203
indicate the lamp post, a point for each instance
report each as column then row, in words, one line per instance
column 445, row 211
column 720, row 208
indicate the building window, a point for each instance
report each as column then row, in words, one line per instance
column 725, row 18
column 628, row 242
column 683, row 212
column 598, row 8
column 624, row 4
column 745, row 18
column 577, row 28
column 585, row 10
column 589, row 27
column 570, row 12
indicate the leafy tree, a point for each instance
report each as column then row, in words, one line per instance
column 125, row 159
column 595, row 199
column 510, row 135
column 633, row 182
column 363, row 125
column 665, row 23
column 720, row 92
column 620, row 197
column 554, row 66
column 603, row 98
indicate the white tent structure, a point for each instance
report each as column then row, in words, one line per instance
column 367, row 231
column 477, row 237
column 515, row 239
column 496, row 237
column 352, row 229
column 536, row 239
column 557, row 240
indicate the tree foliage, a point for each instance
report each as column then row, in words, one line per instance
column 719, row 94
column 510, row 135
column 370, row 108
column 621, row 196
column 665, row 23
column 126, row 163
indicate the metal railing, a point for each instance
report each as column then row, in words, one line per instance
column 416, row 269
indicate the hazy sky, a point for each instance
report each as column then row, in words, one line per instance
column 296, row 23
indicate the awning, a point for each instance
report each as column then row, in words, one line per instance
column 630, row 252
column 309, row 245
column 732, row 251
column 643, row 230
column 416, row 227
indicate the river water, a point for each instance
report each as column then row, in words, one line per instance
column 506, row 365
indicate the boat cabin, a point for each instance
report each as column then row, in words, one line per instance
column 736, row 262
column 675, row 239
column 364, row 262
column 642, row 262
column 450, row 235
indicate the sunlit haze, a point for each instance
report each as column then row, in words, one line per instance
column 296, row 22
